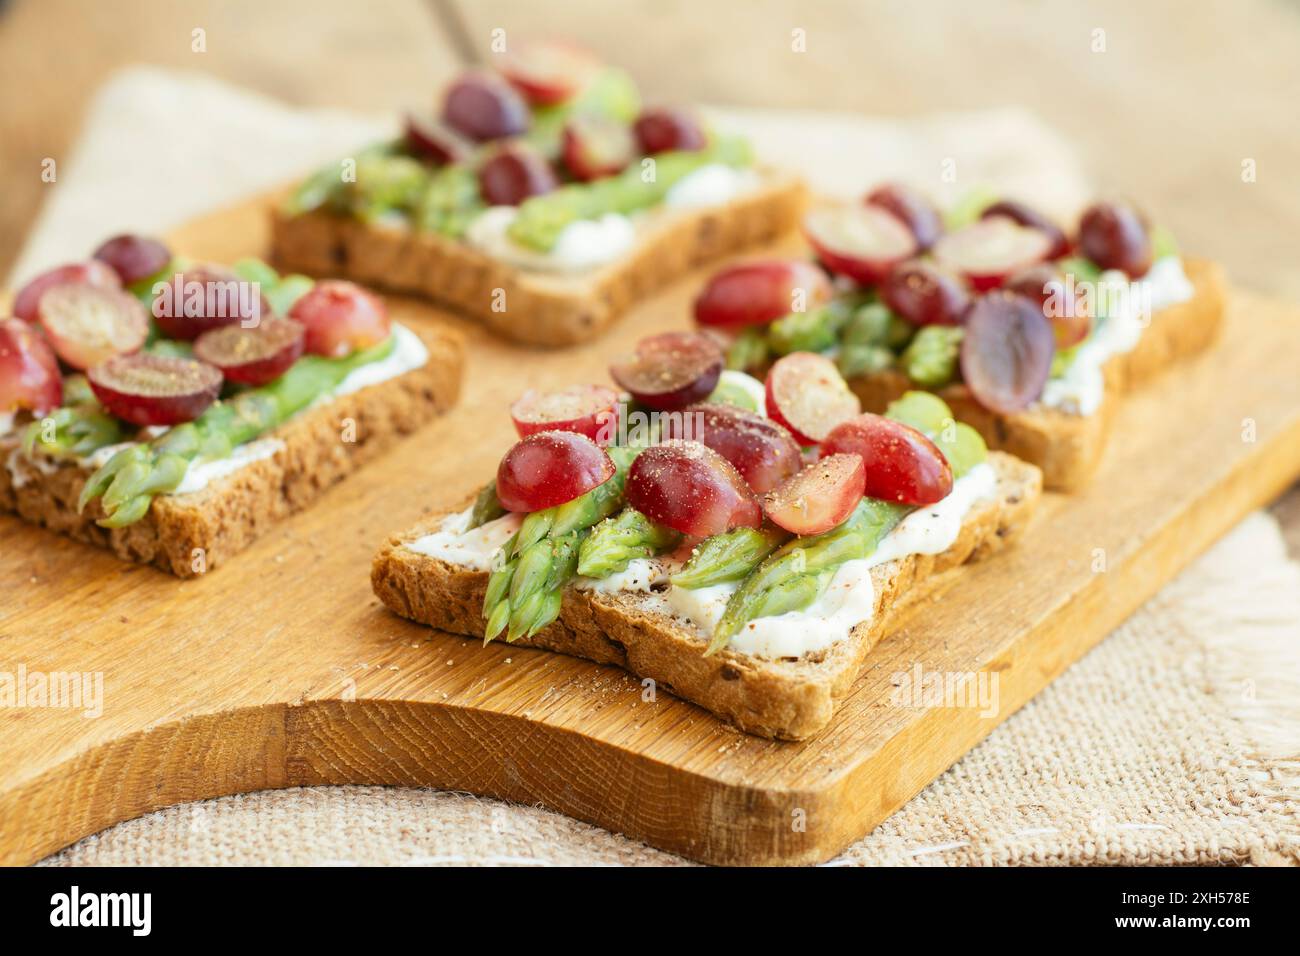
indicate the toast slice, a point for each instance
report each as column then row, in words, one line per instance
column 189, row 534
column 788, row 699
column 1068, row 447
column 541, row 308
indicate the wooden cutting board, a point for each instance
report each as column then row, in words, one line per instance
column 281, row 669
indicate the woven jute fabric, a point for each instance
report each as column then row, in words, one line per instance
column 1177, row 740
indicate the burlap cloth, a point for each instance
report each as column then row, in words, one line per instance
column 1176, row 741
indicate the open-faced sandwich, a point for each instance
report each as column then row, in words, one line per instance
column 1029, row 335
column 742, row 544
column 542, row 200
column 171, row 411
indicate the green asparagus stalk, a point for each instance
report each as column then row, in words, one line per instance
column 73, row 431
column 524, row 594
column 129, row 481
column 449, row 201
column 774, row 587
column 729, row 556
column 487, row 507
column 748, row 350
column 542, row 218
column 618, row 540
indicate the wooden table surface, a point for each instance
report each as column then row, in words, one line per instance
column 1189, row 107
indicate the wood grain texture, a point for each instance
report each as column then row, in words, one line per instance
column 282, row 669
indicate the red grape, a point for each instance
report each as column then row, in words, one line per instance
column 924, row 294
column 154, row 389
column 590, row 410
column 94, row 272
column 87, row 324
column 435, row 140
column 910, row 208
column 670, row 370
column 483, row 106
column 548, row 72
column 692, row 489
column 550, row 468
column 861, row 242
column 665, row 128
column 252, row 356
column 901, row 464
column 819, row 497
column 807, row 394
column 207, row 297
column 764, row 452
column 134, row 257
column 988, row 251
column 1059, row 298
column 1115, row 237
column 1028, row 216
column 513, row 174
column 595, row 146
column 340, row 318
column 29, row 372
column 755, row 293
column 1006, row 351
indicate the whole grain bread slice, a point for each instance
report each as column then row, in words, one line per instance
column 1068, row 447
column 187, row 535
column 535, row 308
column 785, row 699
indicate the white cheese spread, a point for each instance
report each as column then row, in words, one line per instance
column 1124, row 311
column 711, row 185
column 581, row 245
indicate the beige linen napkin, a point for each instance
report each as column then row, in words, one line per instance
column 1175, row 741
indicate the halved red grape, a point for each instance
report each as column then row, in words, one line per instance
column 692, row 489
column 1006, row 351
column 134, row 257
column 863, row 243
column 547, row 72
column 87, row 325
column 764, row 452
column 595, row 146
column 910, row 208
column 665, row 128
column 988, row 251
column 755, row 293
column 435, row 140
column 1028, row 216
column 550, row 468
column 819, row 497
column 1115, row 236
column 513, row 174
column 340, row 318
column 29, row 372
column 925, row 294
column 807, row 394
column 484, row 106
column 155, row 389
column 1059, row 299
column 590, row 410
column 207, row 297
column 900, row 463
column 94, row 273
column 670, row 370
column 253, row 356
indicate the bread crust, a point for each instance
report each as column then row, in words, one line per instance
column 783, row 699
column 1068, row 447
column 231, row 512
column 540, row 309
